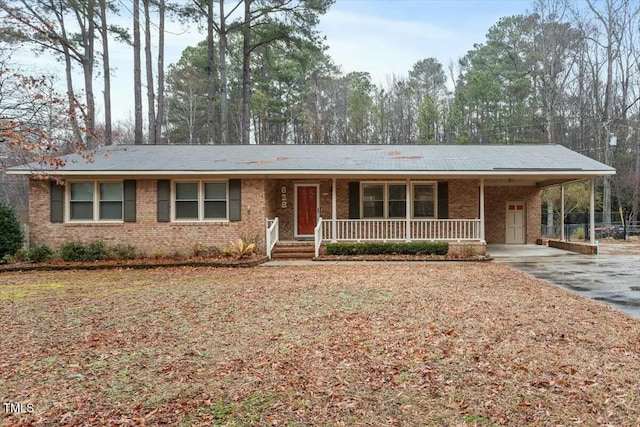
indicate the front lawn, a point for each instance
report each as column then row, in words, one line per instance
column 352, row 344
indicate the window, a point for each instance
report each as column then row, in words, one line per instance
column 384, row 200
column 397, row 201
column 95, row 201
column 424, row 201
column 373, row 201
column 199, row 201
column 81, row 201
column 215, row 200
column 187, row 200
column 389, row 200
column 110, row 200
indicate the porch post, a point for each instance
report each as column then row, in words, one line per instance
column 562, row 236
column 334, row 211
column 592, row 212
column 407, row 194
column 482, row 239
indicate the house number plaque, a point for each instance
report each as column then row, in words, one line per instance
column 283, row 196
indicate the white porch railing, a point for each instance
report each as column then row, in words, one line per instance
column 317, row 236
column 397, row 229
column 382, row 230
column 273, row 234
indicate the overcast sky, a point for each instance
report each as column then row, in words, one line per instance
column 386, row 37
column 383, row 37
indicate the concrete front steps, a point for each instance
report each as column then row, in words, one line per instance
column 293, row 250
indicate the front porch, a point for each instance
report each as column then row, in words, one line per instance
column 462, row 236
column 401, row 209
column 357, row 230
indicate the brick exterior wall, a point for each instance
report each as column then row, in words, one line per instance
column 464, row 199
column 260, row 199
column 146, row 234
column 496, row 199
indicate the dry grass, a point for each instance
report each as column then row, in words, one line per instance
column 368, row 344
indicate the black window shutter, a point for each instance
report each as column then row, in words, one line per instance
column 56, row 203
column 129, row 187
column 164, row 200
column 354, row 200
column 235, row 199
column 443, row 200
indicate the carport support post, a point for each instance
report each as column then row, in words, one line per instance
column 562, row 237
column 334, row 210
column 592, row 212
column 482, row 239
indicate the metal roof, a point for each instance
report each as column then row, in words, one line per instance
column 326, row 159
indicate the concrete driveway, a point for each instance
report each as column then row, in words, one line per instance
column 612, row 277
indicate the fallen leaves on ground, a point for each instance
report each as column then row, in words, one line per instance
column 352, row 344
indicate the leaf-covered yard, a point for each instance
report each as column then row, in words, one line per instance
column 351, row 344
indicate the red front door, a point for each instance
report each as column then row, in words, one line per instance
column 307, row 205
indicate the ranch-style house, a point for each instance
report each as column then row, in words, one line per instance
column 170, row 198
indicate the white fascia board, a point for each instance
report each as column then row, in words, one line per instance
column 324, row 173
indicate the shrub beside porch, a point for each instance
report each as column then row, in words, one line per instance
column 456, row 251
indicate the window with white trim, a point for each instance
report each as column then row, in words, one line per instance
column 397, row 205
column 96, row 201
column 424, row 201
column 372, row 200
column 201, row 201
column 389, row 200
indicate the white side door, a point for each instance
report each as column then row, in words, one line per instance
column 515, row 223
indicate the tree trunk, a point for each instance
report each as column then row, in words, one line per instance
column 85, row 18
column 88, row 44
column 160, row 116
column 211, row 76
column 246, row 73
column 137, row 76
column 607, row 110
column 636, row 182
column 71, row 96
column 151, row 97
column 108, row 134
column 222, row 49
column 608, row 114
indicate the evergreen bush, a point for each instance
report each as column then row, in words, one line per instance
column 11, row 235
column 40, row 253
column 123, row 252
column 388, row 248
column 74, row 251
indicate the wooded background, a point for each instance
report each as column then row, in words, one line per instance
column 567, row 73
